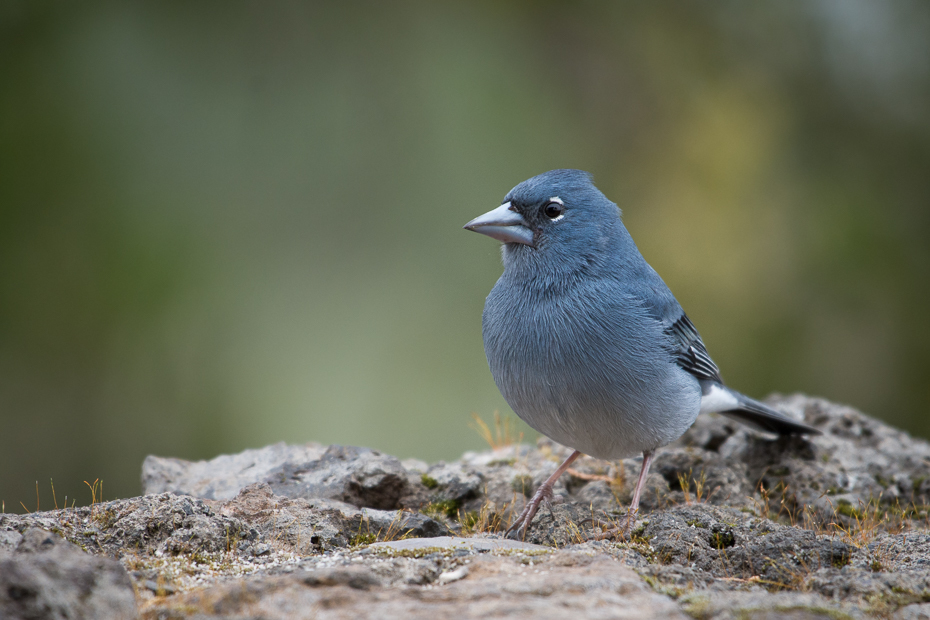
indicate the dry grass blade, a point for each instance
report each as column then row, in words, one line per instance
column 504, row 433
column 686, row 481
column 485, row 520
column 865, row 523
column 393, row 531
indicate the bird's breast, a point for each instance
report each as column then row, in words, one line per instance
column 587, row 368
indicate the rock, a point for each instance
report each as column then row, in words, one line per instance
column 858, row 461
column 763, row 605
column 456, row 484
column 563, row 524
column 453, row 544
column 728, row 543
column 48, row 577
column 452, row 575
column 554, row 585
column 224, row 476
column 308, row 526
column 9, row 540
column 920, row 611
column 254, row 521
column 358, row 476
column 733, row 524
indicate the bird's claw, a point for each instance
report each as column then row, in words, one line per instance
column 522, row 523
column 552, row 500
column 518, row 528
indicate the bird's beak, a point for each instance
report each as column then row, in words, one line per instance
column 504, row 225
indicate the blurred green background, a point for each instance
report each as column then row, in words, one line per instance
column 229, row 224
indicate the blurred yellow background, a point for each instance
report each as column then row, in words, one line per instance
column 227, row 224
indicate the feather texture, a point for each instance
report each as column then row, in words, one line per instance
column 586, row 342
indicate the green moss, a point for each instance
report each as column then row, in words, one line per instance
column 846, row 509
column 362, row 539
column 697, row 606
column 448, row 552
column 470, row 519
column 443, row 508
column 661, row 588
column 829, row 612
column 422, row 552
column 522, row 552
column 644, row 549
column 885, row 603
column 198, row 557
column 428, row 481
column 722, row 540
column 882, row 481
column 105, row 518
column 637, row 537
column 509, row 462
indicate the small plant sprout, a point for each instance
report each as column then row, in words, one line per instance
column 96, row 492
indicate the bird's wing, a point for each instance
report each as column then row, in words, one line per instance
column 682, row 338
column 688, row 349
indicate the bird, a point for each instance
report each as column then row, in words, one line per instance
column 586, row 342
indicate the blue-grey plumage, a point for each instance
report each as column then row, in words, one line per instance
column 584, row 339
column 581, row 363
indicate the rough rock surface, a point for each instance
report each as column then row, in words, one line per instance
column 358, row 476
column 734, row 524
column 48, row 577
column 558, row 585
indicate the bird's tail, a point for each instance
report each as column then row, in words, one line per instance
column 721, row 399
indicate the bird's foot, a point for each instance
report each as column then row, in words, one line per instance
column 542, row 494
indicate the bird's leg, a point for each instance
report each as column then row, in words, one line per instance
column 634, row 504
column 638, row 491
column 543, row 493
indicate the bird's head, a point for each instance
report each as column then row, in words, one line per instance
column 556, row 215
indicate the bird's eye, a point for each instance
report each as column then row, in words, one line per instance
column 553, row 210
